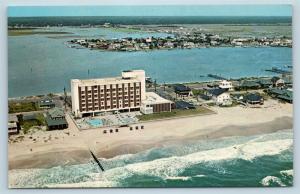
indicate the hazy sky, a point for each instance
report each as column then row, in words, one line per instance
column 175, row 10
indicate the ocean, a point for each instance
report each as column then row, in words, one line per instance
column 243, row 161
column 42, row 64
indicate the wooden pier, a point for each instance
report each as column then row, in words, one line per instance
column 216, row 77
column 280, row 71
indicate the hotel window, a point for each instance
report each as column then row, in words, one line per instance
column 102, row 103
column 89, row 96
column 102, row 107
column 131, row 92
column 137, row 103
column 107, row 90
column 114, row 89
column 82, row 92
column 101, row 90
column 107, row 98
column 115, row 106
column 120, row 89
column 108, row 107
column 114, row 94
column 131, row 88
column 101, row 95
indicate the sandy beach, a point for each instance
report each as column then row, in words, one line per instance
column 71, row 146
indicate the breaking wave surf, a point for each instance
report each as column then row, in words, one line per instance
column 168, row 165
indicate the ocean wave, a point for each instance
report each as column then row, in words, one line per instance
column 272, row 181
column 174, row 166
column 170, row 165
column 189, row 148
column 200, row 175
column 182, row 178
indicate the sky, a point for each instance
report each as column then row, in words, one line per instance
column 167, row 10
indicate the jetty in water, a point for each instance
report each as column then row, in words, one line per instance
column 97, row 161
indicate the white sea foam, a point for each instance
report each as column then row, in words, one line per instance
column 173, row 166
column 268, row 180
column 287, row 172
column 168, row 168
column 183, row 178
column 200, row 175
column 88, row 184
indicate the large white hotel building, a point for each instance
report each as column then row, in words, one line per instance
column 124, row 93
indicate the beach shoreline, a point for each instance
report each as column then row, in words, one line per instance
column 72, row 146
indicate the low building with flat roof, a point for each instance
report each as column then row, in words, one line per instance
column 155, row 104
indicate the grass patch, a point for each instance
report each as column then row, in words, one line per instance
column 39, row 121
column 15, row 107
column 197, row 92
column 25, row 32
column 174, row 113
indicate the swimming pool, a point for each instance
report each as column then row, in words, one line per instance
column 95, row 122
